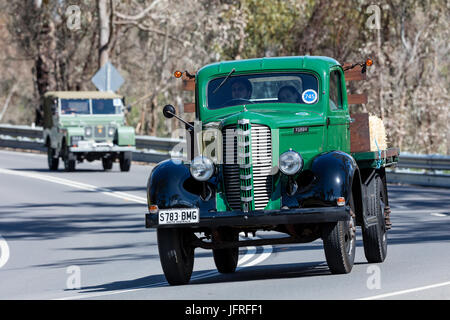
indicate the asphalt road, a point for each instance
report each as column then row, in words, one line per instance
column 81, row 235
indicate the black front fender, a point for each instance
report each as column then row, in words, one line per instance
column 333, row 177
column 166, row 187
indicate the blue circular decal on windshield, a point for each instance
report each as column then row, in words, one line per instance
column 309, row 96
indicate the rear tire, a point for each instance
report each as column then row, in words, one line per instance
column 339, row 241
column 107, row 163
column 226, row 260
column 52, row 161
column 176, row 254
column 375, row 236
column 125, row 161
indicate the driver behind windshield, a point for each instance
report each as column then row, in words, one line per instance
column 241, row 89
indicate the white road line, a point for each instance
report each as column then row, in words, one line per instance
column 4, row 252
column 397, row 293
column 439, row 214
column 78, row 185
column 399, row 207
column 251, row 251
column 249, row 254
column 267, row 250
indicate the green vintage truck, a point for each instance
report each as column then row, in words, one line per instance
column 86, row 125
column 270, row 150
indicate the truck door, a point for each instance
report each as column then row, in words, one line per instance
column 338, row 126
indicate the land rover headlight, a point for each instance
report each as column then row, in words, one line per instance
column 291, row 162
column 111, row 131
column 202, row 168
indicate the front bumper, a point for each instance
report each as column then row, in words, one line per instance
column 260, row 217
column 102, row 149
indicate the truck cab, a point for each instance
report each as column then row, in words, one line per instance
column 85, row 125
column 270, row 150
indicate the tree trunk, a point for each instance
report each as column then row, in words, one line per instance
column 104, row 32
column 154, row 117
column 44, row 62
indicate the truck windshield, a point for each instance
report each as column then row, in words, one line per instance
column 299, row 88
column 106, row 106
column 74, row 106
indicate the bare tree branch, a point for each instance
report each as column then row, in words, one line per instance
column 144, row 27
column 140, row 15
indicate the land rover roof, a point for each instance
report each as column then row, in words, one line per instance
column 83, row 95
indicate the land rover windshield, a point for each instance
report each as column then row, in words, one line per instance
column 106, row 106
column 75, row 106
column 91, row 106
column 300, row 88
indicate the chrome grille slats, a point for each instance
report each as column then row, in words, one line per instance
column 231, row 169
column 261, row 150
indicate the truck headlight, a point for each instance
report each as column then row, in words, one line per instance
column 202, row 168
column 88, row 131
column 111, row 131
column 291, row 162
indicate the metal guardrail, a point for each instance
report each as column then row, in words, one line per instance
column 20, row 131
column 155, row 149
column 142, row 142
column 427, row 162
column 420, row 169
column 157, row 143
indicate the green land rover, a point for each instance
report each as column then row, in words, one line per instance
column 270, row 150
column 86, row 125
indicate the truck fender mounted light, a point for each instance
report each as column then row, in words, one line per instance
column 153, row 209
column 202, row 168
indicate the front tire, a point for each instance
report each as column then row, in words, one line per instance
column 176, row 254
column 226, row 260
column 125, row 161
column 69, row 161
column 375, row 236
column 52, row 161
column 107, row 163
column 339, row 241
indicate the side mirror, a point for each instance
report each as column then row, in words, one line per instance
column 169, row 111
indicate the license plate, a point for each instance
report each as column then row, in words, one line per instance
column 175, row 216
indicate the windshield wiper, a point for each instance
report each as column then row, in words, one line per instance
column 224, row 80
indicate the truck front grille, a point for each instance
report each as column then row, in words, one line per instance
column 100, row 131
column 242, row 190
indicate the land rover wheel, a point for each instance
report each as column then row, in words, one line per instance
column 226, row 260
column 375, row 236
column 339, row 241
column 69, row 159
column 107, row 163
column 125, row 161
column 53, row 161
column 176, row 254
